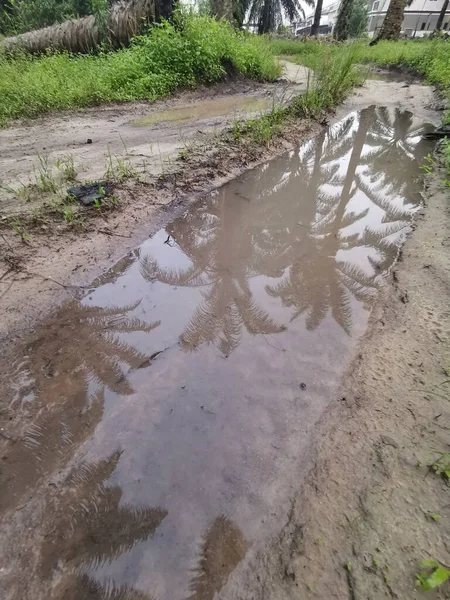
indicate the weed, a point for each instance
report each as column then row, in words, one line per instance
column 68, row 214
column 432, row 575
column 18, row 228
column 435, row 516
column 441, row 466
column 22, row 193
column 428, row 164
column 118, row 168
column 45, row 181
column 66, row 167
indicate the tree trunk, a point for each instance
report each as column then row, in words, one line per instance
column 83, row 35
column 392, row 24
column 164, row 9
column 317, row 15
column 342, row 26
column 442, row 15
column 223, row 9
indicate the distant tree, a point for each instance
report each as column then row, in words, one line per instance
column 342, row 27
column 358, row 18
column 392, row 24
column 223, row 9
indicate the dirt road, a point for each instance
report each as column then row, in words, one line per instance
column 146, row 135
column 237, row 409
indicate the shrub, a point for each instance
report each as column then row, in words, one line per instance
column 194, row 50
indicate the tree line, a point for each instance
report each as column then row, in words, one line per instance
column 18, row 16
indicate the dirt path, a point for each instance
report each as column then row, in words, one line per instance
column 147, row 135
column 198, row 425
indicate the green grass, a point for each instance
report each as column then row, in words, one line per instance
column 430, row 58
column 198, row 50
column 334, row 77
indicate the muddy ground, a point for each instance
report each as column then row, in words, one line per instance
column 360, row 518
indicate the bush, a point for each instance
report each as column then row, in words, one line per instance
column 195, row 50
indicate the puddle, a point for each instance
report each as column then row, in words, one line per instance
column 390, row 76
column 206, row 109
column 172, row 410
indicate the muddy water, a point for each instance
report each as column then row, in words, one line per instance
column 155, row 432
column 203, row 109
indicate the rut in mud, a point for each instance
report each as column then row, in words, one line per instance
column 158, row 429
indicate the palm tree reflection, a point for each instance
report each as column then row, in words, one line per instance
column 90, row 528
column 309, row 212
column 223, row 547
column 223, row 257
column 73, row 358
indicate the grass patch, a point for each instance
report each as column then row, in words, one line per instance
column 429, row 58
column 432, row 575
column 330, row 83
column 192, row 51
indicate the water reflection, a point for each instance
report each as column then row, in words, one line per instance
column 72, row 359
column 325, row 221
column 222, row 549
column 277, row 271
column 89, row 528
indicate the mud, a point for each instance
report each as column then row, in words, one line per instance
column 166, row 419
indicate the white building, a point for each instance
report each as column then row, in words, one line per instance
column 420, row 17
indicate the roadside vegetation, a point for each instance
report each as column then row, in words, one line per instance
column 192, row 51
column 428, row 58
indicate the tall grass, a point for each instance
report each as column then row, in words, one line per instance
column 335, row 76
column 430, row 58
column 196, row 50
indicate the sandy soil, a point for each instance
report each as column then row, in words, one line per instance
column 148, row 135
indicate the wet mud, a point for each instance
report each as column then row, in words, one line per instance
column 154, row 433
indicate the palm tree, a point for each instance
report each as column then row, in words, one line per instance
column 317, row 16
column 123, row 22
column 268, row 14
column 392, row 24
column 441, row 16
column 222, row 549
